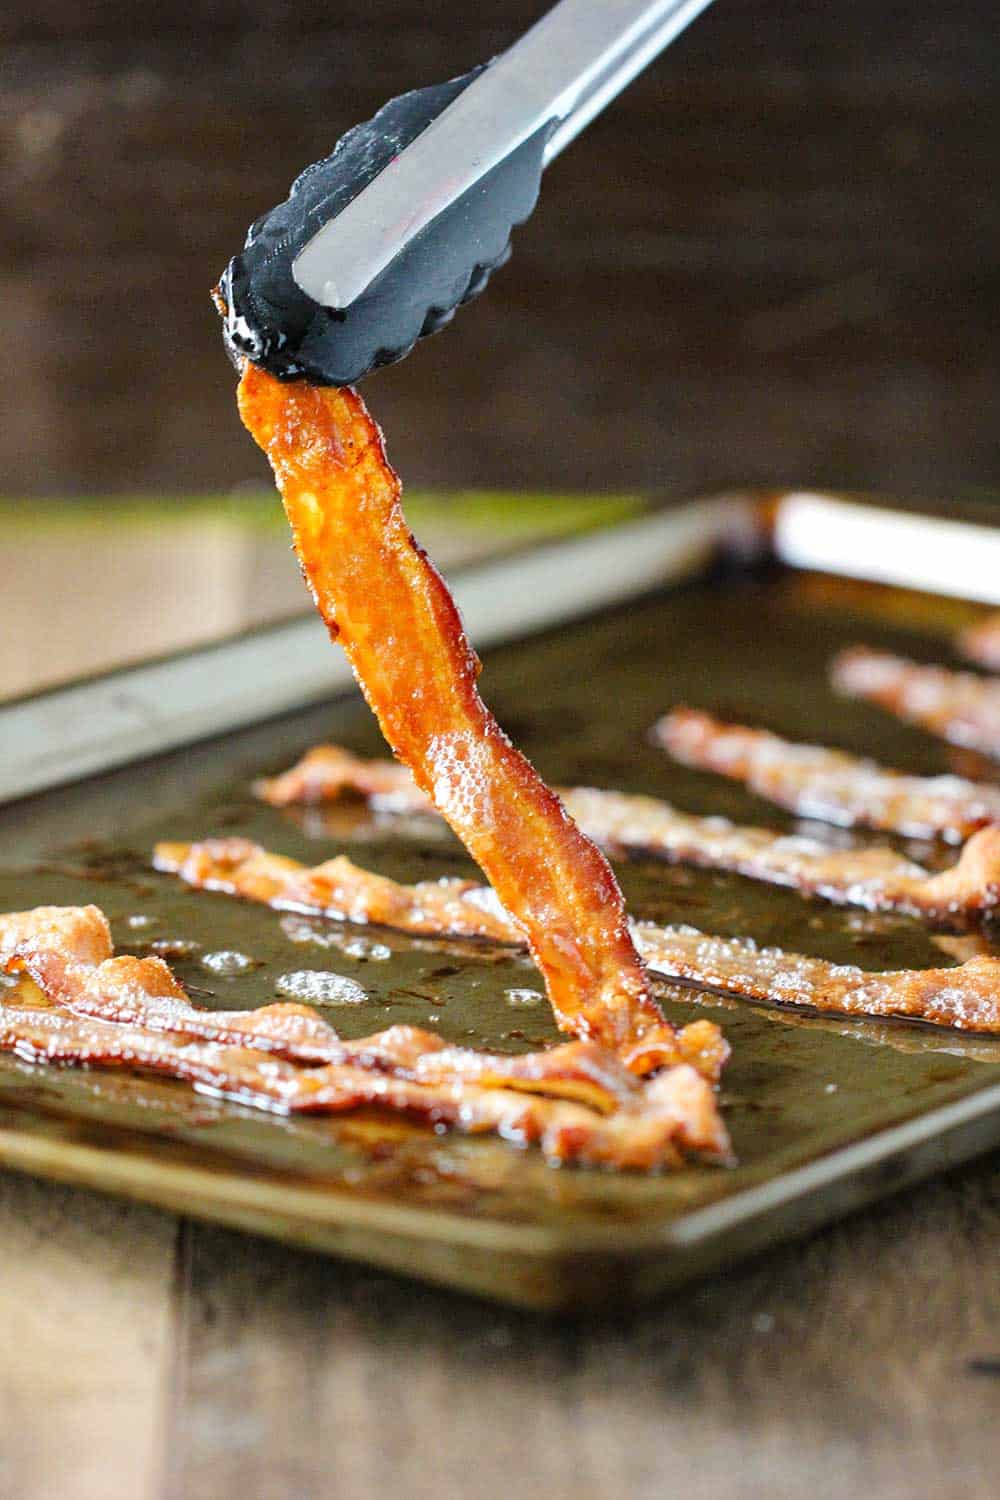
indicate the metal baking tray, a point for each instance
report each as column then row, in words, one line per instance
column 734, row 604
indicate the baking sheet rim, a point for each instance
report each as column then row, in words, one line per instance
column 680, row 1232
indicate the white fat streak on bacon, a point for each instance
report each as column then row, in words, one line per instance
column 577, row 1101
column 877, row 879
column 981, row 642
column 966, row 997
column 959, row 706
column 830, row 785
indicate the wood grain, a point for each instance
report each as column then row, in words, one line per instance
column 85, row 1326
column 840, row 1367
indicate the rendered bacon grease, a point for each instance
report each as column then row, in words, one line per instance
column 388, row 606
column 829, row 784
column 877, row 879
column 966, row 997
column 959, row 706
column 576, row 1101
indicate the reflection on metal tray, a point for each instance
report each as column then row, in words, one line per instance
column 825, row 1115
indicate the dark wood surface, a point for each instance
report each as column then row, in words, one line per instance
column 775, row 260
column 146, row 1358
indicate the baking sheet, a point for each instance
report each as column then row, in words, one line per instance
column 825, row 1114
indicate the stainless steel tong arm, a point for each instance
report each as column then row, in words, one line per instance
column 562, row 72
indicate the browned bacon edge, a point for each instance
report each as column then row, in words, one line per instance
column 877, row 879
column 831, row 785
column 577, row 1101
column 958, row 706
column 965, row 997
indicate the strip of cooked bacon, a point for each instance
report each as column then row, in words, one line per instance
column 878, row 878
column 875, row 878
column 981, row 642
column 966, row 997
column 131, row 1012
column 959, row 706
column 829, row 784
column 675, row 1112
column 382, row 598
column 345, row 891
column 675, row 953
column 326, row 772
column 341, row 888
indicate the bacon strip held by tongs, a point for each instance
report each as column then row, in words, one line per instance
column 958, row 706
column 577, row 1101
column 877, row 878
column 965, row 997
column 829, row 784
column 981, row 642
column 388, row 606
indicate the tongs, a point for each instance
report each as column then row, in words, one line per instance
column 377, row 245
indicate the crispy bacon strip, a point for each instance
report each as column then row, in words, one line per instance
column 675, row 1112
column 340, row 888
column 965, row 998
column 830, row 784
column 981, row 642
column 326, row 772
column 962, row 1000
column 382, row 598
column 958, row 706
column 344, row 891
column 877, row 879
column 584, row 1106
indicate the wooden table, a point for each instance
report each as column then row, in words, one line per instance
column 150, row 1358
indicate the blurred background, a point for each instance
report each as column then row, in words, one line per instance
column 775, row 259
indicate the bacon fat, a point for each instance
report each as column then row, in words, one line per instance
column 877, row 879
column 830, row 784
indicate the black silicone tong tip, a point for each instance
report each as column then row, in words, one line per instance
column 271, row 321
